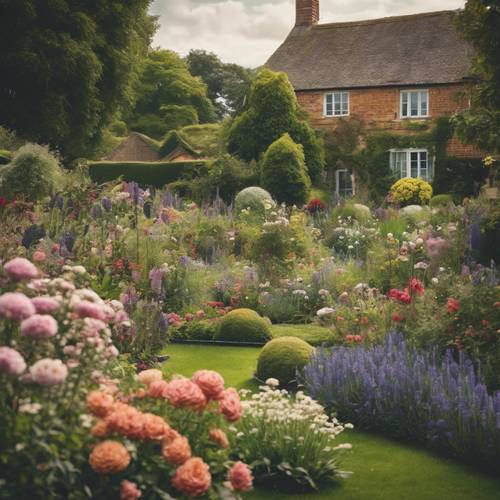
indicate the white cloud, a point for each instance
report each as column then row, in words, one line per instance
column 248, row 31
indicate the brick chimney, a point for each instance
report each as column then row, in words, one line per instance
column 307, row 12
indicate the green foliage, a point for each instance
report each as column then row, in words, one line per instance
column 32, row 174
column 271, row 112
column 312, row 334
column 441, row 200
column 410, row 191
column 147, row 174
column 254, row 198
column 284, row 172
column 243, row 325
column 282, row 357
column 5, row 156
column 173, row 140
column 168, row 96
column 227, row 84
column 68, row 66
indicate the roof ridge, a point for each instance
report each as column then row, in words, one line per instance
column 383, row 19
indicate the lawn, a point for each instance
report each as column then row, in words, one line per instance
column 313, row 334
column 383, row 468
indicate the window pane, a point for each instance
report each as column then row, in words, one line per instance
column 404, row 100
column 403, row 172
column 345, row 103
column 337, row 103
column 328, row 104
column 414, row 103
column 424, row 103
column 414, row 164
column 430, row 168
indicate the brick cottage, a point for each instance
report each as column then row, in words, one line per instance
column 389, row 73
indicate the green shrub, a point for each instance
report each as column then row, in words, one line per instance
column 243, row 325
column 196, row 330
column 32, row 174
column 5, row 156
column 313, row 334
column 441, row 200
column 118, row 128
column 282, row 357
column 284, row 172
column 254, row 198
column 148, row 173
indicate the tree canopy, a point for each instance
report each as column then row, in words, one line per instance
column 272, row 111
column 168, row 96
column 66, row 66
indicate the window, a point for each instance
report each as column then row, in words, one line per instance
column 412, row 163
column 336, row 104
column 414, row 104
column 345, row 183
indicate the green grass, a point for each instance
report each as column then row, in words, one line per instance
column 383, row 469
column 315, row 335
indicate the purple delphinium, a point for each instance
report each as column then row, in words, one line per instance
column 416, row 395
column 156, row 280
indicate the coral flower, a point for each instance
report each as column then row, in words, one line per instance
column 15, row 306
column 230, row 405
column 417, row 286
column 154, row 427
column 20, row 269
column 240, row 477
column 109, row 457
column 192, row 478
column 148, row 376
column 218, row 436
column 129, row 491
column 39, row 326
column 99, row 403
column 39, row 256
column 452, row 306
column 100, row 429
column 157, row 389
column 210, row 382
column 185, row 393
column 177, row 451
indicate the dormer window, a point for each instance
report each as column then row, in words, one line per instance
column 414, row 104
column 336, row 104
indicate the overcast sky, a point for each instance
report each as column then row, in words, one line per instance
column 248, row 31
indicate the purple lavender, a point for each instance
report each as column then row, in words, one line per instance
column 106, row 203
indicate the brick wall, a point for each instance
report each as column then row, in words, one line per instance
column 307, row 12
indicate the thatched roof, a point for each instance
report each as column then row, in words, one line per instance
column 136, row 147
column 418, row 49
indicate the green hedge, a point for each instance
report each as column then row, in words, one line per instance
column 5, row 156
column 147, row 173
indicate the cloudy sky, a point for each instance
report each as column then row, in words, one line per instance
column 248, row 31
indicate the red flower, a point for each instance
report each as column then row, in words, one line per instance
column 485, row 322
column 118, row 265
column 315, row 206
column 452, row 306
column 3, row 202
column 398, row 318
column 417, row 286
column 215, row 304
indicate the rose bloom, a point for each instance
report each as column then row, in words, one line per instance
column 87, row 309
column 39, row 256
column 15, row 306
column 184, row 393
column 154, row 427
column 129, row 491
column 11, row 362
column 20, row 269
column 126, row 421
column 210, row 382
column 49, row 372
column 157, row 389
column 192, row 478
column 109, row 457
column 230, row 405
column 148, row 376
column 219, row 437
column 39, row 326
column 45, row 305
column 453, row 305
column 417, row 286
column 100, row 429
column 99, row 403
column 177, row 451
column 240, row 477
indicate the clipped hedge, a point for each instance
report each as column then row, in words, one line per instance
column 5, row 156
column 243, row 325
column 147, row 173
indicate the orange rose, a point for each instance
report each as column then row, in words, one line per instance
column 154, row 427
column 219, row 437
column 99, row 403
column 125, row 420
column 192, row 478
column 184, row 393
column 100, row 429
column 210, row 382
column 177, row 451
column 240, row 477
column 129, row 491
column 157, row 389
column 230, row 405
column 109, row 457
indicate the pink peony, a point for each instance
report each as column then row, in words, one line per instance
column 49, row 372
column 16, row 306
column 230, row 405
column 87, row 309
column 39, row 326
column 20, row 269
column 45, row 305
column 182, row 392
column 210, row 382
column 240, row 477
column 129, row 491
column 11, row 362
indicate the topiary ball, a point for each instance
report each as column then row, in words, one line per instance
column 282, row 357
column 243, row 325
column 254, row 198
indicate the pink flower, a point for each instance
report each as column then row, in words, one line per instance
column 182, row 392
column 49, row 372
column 16, row 306
column 129, row 491
column 210, row 382
column 417, row 286
column 39, row 256
column 87, row 309
column 157, row 388
column 192, row 478
column 230, row 405
column 11, row 362
column 45, row 305
column 20, row 269
column 240, row 477
column 39, row 326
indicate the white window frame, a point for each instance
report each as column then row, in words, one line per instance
column 408, row 152
column 337, row 181
column 340, row 93
column 409, row 116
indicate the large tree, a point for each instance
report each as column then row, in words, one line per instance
column 227, row 84
column 66, row 66
column 480, row 24
column 168, row 96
